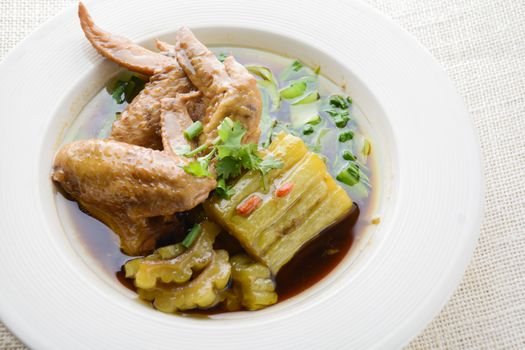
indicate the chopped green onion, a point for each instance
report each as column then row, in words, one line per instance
column 118, row 92
column 303, row 113
column 222, row 56
column 317, row 69
column 340, row 118
column 366, row 148
column 268, row 83
column 273, row 93
column 193, row 130
column 319, row 140
column 350, row 175
column 309, row 98
column 125, row 86
column 316, row 120
column 346, row 136
column 291, row 71
column 361, row 147
column 295, row 89
column 269, row 134
column 118, row 115
column 223, row 190
column 338, row 101
column 262, row 72
column 347, row 155
column 308, row 129
column 296, row 65
column 190, row 237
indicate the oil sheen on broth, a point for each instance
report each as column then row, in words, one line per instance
column 310, row 265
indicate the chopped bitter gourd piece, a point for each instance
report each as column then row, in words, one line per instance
column 204, row 291
column 178, row 269
column 168, row 252
column 254, row 281
column 280, row 226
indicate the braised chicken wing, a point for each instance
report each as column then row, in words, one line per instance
column 132, row 189
column 230, row 88
column 139, row 123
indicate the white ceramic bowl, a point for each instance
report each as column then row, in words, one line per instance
column 396, row 277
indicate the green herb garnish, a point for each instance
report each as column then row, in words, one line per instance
column 222, row 56
column 347, row 155
column 193, row 130
column 193, row 153
column 315, row 121
column 199, row 167
column 350, row 175
column 296, row 65
column 338, row 101
column 126, row 90
column 192, row 235
column 346, row 136
column 308, row 129
column 309, row 98
column 294, row 90
column 233, row 157
column 223, row 190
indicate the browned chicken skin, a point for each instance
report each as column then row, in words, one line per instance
column 139, row 123
column 134, row 190
column 119, row 49
column 230, row 88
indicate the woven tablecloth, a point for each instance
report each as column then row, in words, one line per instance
column 481, row 44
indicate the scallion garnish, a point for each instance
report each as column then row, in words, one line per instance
column 309, row 98
column 338, row 101
column 222, row 56
column 350, row 175
column 347, row 155
column 308, row 129
column 192, row 235
column 193, row 130
column 294, row 90
column 315, row 120
column 346, row 136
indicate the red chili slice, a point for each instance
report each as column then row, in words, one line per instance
column 249, row 205
column 285, row 189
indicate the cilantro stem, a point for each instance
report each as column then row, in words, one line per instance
column 197, row 150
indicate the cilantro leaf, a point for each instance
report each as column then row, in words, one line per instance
column 269, row 163
column 248, row 156
column 199, row 167
column 228, row 167
column 231, row 134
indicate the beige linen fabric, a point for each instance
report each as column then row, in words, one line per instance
column 481, row 44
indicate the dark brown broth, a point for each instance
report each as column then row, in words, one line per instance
column 310, row 265
column 318, row 258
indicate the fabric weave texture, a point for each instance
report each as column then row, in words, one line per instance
column 481, row 45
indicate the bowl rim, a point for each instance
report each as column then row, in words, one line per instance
column 430, row 306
